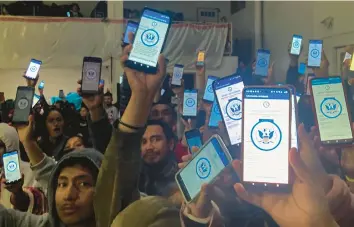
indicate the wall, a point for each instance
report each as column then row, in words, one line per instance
column 188, row 8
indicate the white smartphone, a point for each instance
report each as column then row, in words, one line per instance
column 266, row 137
column 296, row 45
column 190, row 103
column 33, row 69
column 262, row 62
column 208, row 92
column 177, row 75
column 333, row 118
column 315, row 53
column 11, row 163
column 228, row 91
column 205, row 166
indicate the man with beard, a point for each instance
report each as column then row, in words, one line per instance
column 112, row 111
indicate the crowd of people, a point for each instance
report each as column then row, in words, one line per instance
column 106, row 165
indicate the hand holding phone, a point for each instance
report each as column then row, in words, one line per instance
column 91, row 75
column 266, row 138
column 23, row 104
column 205, row 166
column 262, row 62
column 12, row 170
column 194, row 139
column 33, row 69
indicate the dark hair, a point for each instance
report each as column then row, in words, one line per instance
column 75, row 4
column 40, row 122
column 165, row 128
column 170, row 106
column 108, row 94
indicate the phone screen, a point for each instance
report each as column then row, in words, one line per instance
column 91, row 76
column 228, row 92
column 35, row 100
column 190, row 103
column 194, row 139
column 23, row 104
column 131, row 27
column 331, row 110
column 41, row 85
column 262, row 62
column 315, row 53
column 209, row 93
column 296, row 45
column 267, row 135
column 149, row 38
column 177, row 75
column 200, row 58
column 302, row 68
column 294, row 141
column 11, row 166
column 203, row 168
column 215, row 115
column 33, row 69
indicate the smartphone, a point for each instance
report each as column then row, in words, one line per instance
column 331, row 111
column 132, row 26
column 35, row 100
column 228, row 91
column 190, row 103
column 194, row 139
column 266, row 138
column 149, row 41
column 177, row 75
column 33, row 69
column 41, row 85
column 11, row 163
column 296, row 45
column 101, row 82
column 315, row 53
column 294, row 118
column 23, row 104
column 262, row 62
column 302, row 68
column 91, row 75
column 215, row 116
column 68, row 14
column 61, row 94
column 205, row 166
column 208, row 92
column 308, row 86
column 200, row 59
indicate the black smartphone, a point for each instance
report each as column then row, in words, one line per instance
column 91, row 75
column 132, row 26
column 193, row 138
column 23, row 104
column 11, row 161
column 149, row 41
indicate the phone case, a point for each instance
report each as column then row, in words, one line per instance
column 22, row 104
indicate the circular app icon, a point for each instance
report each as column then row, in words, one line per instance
column 331, row 107
column 315, row 53
column 296, row 44
column 216, row 109
column 11, row 166
column 327, row 87
column 154, row 24
column 262, row 62
column 210, row 88
column 266, row 135
column 33, row 68
column 203, row 168
column 266, row 104
column 22, row 103
column 234, row 109
column 190, row 102
column 150, row 37
column 90, row 74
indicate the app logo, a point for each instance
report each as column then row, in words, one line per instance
column 150, row 37
column 234, row 109
column 315, row 53
column 266, row 104
column 22, row 103
column 203, row 168
column 216, row 109
column 178, row 74
column 210, row 89
column 90, row 74
column 266, row 135
column 262, row 62
column 296, row 44
column 11, row 166
column 331, row 107
column 33, row 68
column 190, row 102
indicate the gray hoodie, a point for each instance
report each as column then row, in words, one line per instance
column 14, row 218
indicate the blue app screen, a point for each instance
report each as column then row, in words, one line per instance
column 209, row 93
column 190, row 103
column 315, row 52
column 130, row 28
column 262, row 62
column 215, row 116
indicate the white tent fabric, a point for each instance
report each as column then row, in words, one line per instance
column 61, row 44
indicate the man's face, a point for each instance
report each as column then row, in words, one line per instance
column 154, row 145
column 107, row 100
column 74, row 195
column 164, row 113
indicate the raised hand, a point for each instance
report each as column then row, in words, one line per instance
column 91, row 101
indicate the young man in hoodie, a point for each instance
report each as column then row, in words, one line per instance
column 70, row 194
